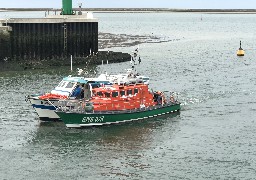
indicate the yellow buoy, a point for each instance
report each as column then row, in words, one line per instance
column 240, row 51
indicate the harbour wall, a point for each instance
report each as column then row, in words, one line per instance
column 90, row 60
column 49, row 38
column 35, row 43
column 4, row 43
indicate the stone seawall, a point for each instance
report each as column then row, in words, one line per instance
column 4, row 43
column 93, row 59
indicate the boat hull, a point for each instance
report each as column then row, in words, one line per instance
column 78, row 120
column 44, row 109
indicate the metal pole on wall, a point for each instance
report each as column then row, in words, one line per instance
column 71, row 63
column 65, row 33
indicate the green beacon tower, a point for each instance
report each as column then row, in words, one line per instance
column 67, row 7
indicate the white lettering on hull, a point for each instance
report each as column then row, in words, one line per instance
column 93, row 119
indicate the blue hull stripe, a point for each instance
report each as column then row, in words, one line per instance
column 44, row 107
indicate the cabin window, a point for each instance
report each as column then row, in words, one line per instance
column 70, row 85
column 99, row 93
column 107, row 94
column 122, row 93
column 62, row 83
column 136, row 91
column 114, row 94
column 95, row 85
column 129, row 91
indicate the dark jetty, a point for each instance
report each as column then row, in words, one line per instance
column 47, row 43
column 92, row 59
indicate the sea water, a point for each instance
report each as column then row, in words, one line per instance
column 213, row 136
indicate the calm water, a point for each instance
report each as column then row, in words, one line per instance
column 213, row 137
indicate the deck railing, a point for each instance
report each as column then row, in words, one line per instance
column 80, row 107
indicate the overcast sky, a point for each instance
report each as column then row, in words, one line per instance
column 189, row 4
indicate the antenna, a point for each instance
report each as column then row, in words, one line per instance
column 80, row 8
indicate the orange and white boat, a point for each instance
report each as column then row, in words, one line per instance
column 45, row 104
column 116, row 104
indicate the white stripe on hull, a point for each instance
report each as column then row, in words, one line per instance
column 44, row 113
column 74, row 125
column 92, row 124
column 128, row 120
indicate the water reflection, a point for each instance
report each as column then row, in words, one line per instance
column 127, row 136
column 107, row 151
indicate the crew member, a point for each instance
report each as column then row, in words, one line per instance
column 77, row 92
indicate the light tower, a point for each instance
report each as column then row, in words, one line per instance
column 67, row 7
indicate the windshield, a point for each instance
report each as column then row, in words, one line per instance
column 61, row 84
column 69, row 84
column 66, row 84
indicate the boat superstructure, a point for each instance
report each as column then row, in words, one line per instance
column 128, row 99
column 73, row 88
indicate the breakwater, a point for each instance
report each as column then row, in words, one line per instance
column 123, row 10
column 38, row 43
column 91, row 59
column 4, row 42
column 53, row 37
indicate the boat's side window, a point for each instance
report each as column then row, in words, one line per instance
column 114, row 94
column 61, row 83
column 94, row 85
column 136, row 91
column 107, row 94
column 69, row 85
column 122, row 93
column 99, row 93
column 64, row 84
column 129, row 91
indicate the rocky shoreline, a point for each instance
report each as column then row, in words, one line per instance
column 109, row 40
column 93, row 59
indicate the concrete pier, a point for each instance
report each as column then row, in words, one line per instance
column 5, row 42
column 52, row 37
